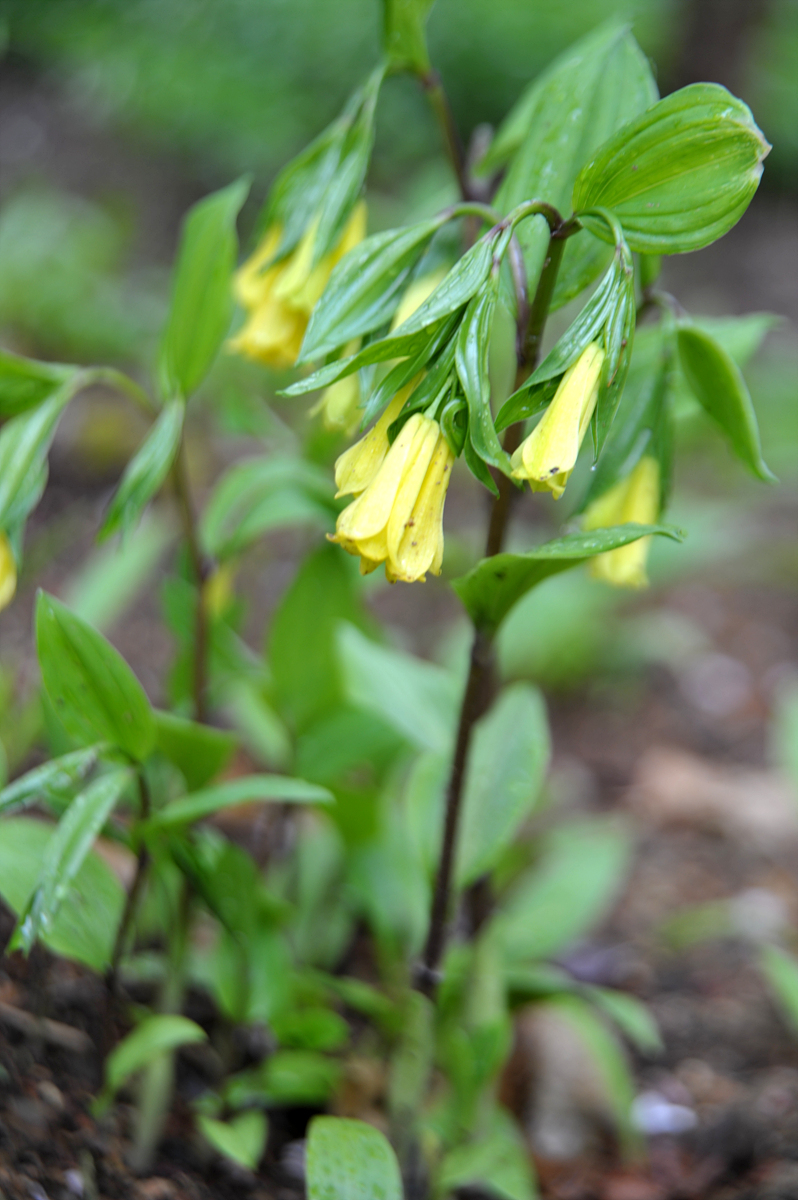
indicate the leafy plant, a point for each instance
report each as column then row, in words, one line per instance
column 410, row 789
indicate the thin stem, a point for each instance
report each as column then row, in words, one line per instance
column 199, row 566
column 475, row 693
column 123, row 383
column 431, row 82
column 131, row 901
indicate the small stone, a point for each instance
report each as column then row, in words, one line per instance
column 51, row 1095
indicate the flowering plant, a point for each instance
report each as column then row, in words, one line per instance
column 413, row 785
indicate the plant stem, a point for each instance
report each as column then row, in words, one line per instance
column 431, row 83
column 475, row 694
column 200, row 568
column 131, row 902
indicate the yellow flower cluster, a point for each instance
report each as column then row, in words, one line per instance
column 279, row 299
column 8, row 572
column 547, row 457
column 635, row 498
column 397, row 517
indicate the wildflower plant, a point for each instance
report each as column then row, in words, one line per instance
column 413, row 784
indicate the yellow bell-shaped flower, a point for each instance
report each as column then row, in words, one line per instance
column 398, row 518
column 279, row 299
column 635, row 498
column 357, row 466
column 547, row 457
column 420, row 290
column 8, row 572
column 340, row 402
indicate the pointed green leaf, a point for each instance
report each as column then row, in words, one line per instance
column 416, row 698
column 680, row 175
column 473, row 348
column 94, row 693
column 57, row 775
column 84, row 928
column 464, row 280
column 365, row 288
column 718, row 383
column 25, row 383
column 202, row 298
column 350, row 1160
column 497, row 1164
column 66, row 852
column 403, row 37
column 147, row 470
column 242, row 1139
column 491, row 589
column 199, row 751
column 154, row 1036
column 282, row 789
column 632, row 1016
column 567, row 113
column 506, row 765
column 571, row 887
column 24, row 443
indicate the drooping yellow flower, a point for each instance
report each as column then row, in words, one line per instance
column 340, row 402
column 547, row 457
column 398, row 518
column 635, row 498
column 357, row 466
column 8, row 572
column 279, row 299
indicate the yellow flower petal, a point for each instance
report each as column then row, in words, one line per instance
column 368, row 515
column 8, row 572
column 420, row 548
column 548, row 455
column 404, row 505
column 633, row 499
column 357, row 466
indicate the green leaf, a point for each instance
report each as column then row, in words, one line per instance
column 568, row 892
column 202, row 298
column 495, row 584
column 25, row 383
column 718, row 383
column 633, row 1018
column 108, row 582
column 366, row 288
column 242, row 1139
column 403, row 38
column 24, row 442
column 95, row 694
column 350, row 1160
column 567, row 113
column 416, row 698
column 58, row 775
column 680, row 175
column 611, row 1062
column 66, row 852
column 302, row 642
column 781, row 972
column 287, row 1077
column 198, row 751
column 473, row 349
column 147, row 470
column 282, row 789
column 506, row 765
column 310, row 1029
column 464, row 280
column 85, row 925
column 154, row 1036
column 497, row 1164
column 260, row 494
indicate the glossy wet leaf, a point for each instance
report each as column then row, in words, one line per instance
column 678, row 176
column 55, row 776
column 84, row 928
column 473, row 348
column 66, row 852
column 366, row 288
column 92, row 689
column 494, row 585
column 350, row 1160
column 24, row 443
